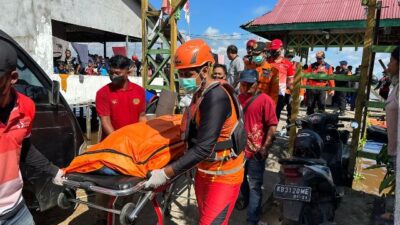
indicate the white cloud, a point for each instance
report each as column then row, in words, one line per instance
column 210, row 31
column 260, row 10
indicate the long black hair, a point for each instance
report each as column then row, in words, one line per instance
column 396, row 53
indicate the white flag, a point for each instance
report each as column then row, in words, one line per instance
column 187, row 13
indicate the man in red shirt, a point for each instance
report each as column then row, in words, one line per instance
column 260, row 123
column 120, row 102
column 16, row 118
column 286, row 73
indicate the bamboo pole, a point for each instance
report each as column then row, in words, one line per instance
column 360, row 102
column 173, row 39
column 295, row 106
column 144, row 73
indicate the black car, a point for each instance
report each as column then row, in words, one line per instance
column 55, row 132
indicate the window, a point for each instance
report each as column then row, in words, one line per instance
column 29, row 85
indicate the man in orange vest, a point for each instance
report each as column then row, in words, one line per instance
column 268, row 78
column 207, row 125
column 318, row 96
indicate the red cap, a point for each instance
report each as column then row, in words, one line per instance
column 276, row 44
column 134, row 58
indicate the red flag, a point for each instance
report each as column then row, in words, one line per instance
column 119, row 50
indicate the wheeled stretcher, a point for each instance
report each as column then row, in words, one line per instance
column 130, row 153
column 115, row 187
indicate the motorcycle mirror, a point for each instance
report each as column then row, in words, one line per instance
column 354, row 125
column 298, row 123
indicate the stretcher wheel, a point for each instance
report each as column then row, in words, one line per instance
column 62, row 200
column 125, row 212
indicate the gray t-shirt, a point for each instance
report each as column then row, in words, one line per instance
column 235, row 67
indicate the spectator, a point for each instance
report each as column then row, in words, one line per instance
column 138, row 64
column 219, row 72
column 159, row 57
column 392, row 105
column 70, row 61
column 235, row 67
column 78, row 69
column 89, row 70
column 16, row 118
column 120, row 102
column 260, row 123
column 340, row 96
column 337, row 70
column 60, row 68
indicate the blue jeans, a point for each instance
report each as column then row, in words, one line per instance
column 251, row 188
column 22, row 217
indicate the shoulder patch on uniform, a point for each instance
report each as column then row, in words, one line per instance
column 266, row 73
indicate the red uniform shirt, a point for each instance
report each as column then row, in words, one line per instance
column 18, row 127
column 123, row 106
column 259, row 116
column 286, row 73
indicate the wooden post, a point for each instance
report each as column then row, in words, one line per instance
column 371, row 66
column 174, row 39
column 368, row 42
column 144, row 73
column 88, row 122
column 295, row 106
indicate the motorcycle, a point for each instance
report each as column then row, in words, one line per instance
column 308, row 190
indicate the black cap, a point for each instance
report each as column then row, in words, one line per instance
column 259, row 47
column 8, row 58
column 249, row 76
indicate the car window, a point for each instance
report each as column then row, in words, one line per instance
column 29, row 85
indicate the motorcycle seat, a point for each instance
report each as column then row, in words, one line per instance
column 305, row 161
column 118, row 182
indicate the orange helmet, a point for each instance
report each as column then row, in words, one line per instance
column 193, row 53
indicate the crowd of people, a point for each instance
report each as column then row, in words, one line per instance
column 96, row 66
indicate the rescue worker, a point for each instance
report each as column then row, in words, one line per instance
column 17, row 113
column 318, row 96
column 120, row 102
column 260, row 122
column 340, row 96
column 206, row 125
column 268, row 79
column 285, row 73
column 247, row 59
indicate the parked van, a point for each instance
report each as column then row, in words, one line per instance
column 56, row 133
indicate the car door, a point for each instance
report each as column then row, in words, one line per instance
column 56, row 133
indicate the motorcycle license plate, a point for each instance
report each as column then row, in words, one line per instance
column 291, row 192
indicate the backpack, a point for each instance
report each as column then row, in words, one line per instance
column 238, row 137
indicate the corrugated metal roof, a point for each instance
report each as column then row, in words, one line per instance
column 306, row 11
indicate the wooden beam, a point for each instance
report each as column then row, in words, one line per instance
column 144, row 73
column 368, row 42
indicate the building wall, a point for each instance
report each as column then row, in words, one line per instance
column 29, row 21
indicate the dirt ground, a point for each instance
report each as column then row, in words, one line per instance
column 355, row 208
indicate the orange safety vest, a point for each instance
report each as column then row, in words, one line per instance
column 136, row 149
column 268, row 80
column 222, row 166
column 324, row 68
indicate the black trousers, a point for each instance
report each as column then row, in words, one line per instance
column 315, row 97
column 340, row 98
column 282, row 101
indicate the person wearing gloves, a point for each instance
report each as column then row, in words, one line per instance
column 206, row 124
column 17, row 113
column 260, row 122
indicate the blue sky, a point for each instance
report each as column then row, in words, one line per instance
column 218, row 22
